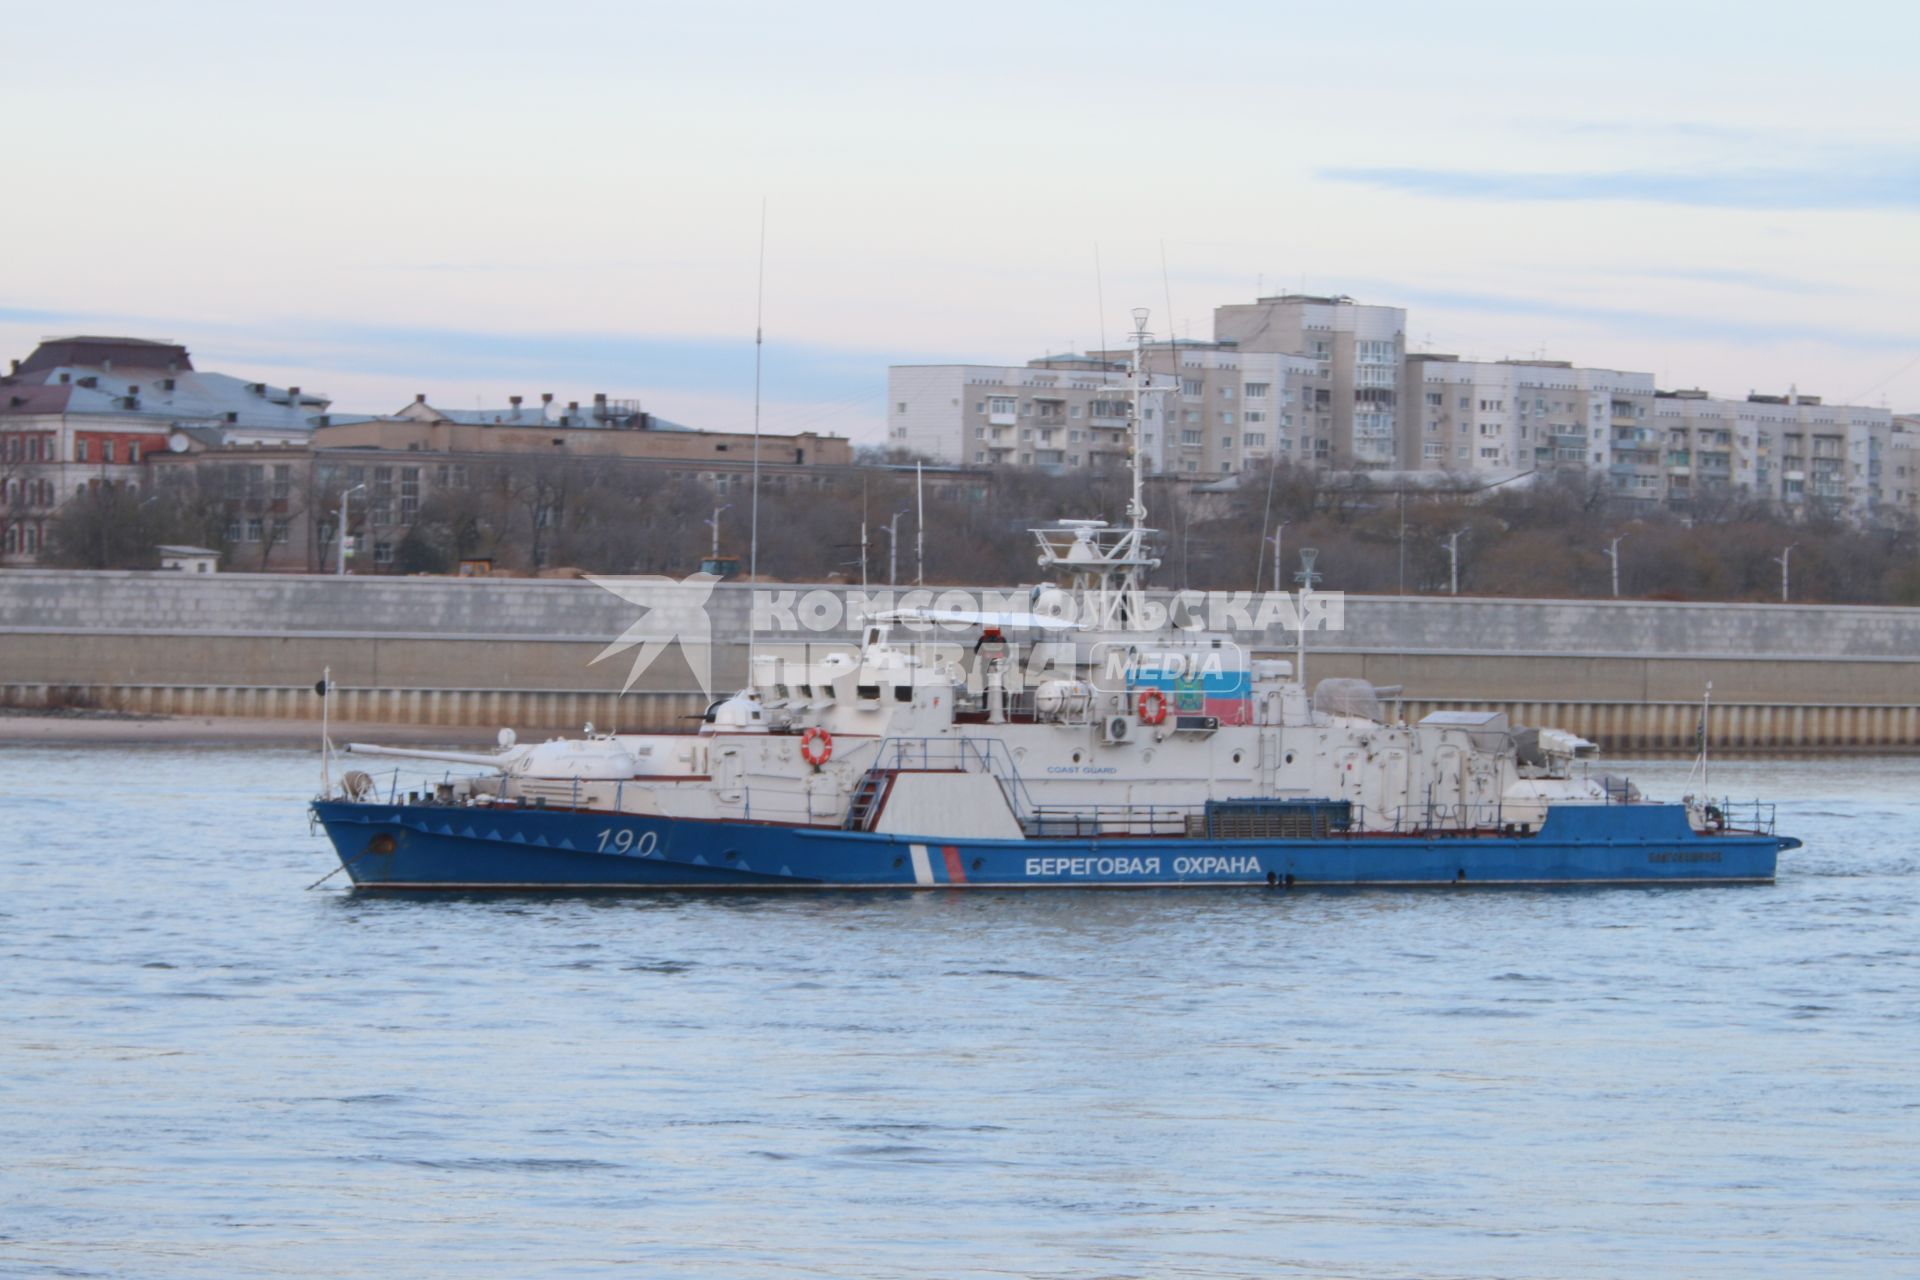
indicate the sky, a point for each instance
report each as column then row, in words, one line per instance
column 379, row 200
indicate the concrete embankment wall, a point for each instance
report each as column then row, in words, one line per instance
column 517, row 652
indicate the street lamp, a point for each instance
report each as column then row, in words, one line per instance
column 341, row 534
column 893, row 547
column 714, row 524
column 1278, row 540
column 1783, row 559
column 1613, row 554
column 1453, row 562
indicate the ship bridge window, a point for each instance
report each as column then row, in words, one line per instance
column 868, row 690
column 903, row 693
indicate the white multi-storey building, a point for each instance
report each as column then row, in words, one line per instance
column 1792, row 449
column 1360, row 355
column 1327, row 382
column 1514, row 416
column 1223, row 409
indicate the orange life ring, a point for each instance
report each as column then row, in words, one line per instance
column 1153, row 706
column 816, row 746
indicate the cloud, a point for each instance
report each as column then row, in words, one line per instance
column 1885, row 182
column 1764, row 281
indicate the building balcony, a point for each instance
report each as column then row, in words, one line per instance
column 1003, row 419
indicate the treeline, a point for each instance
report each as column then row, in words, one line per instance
column 1548, row 539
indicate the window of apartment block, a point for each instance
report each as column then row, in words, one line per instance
column 383, row 553
column 1192, row 387
column 1191, row 437
column 1257, row 390
column 133, row 451
column 1254, row 440
column 282, row 481
column 234, row 530
column 1074, row 412
column 1193, row 415
column 1226, row 419
column 409, row 494
column 900, row 406
column 1226, row 393
column 106, row 451
column 280, row 530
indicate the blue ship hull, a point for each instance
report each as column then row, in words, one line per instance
column 433, row 847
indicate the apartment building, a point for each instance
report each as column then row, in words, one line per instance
column 1221, row 410
column 1359, row 355
column 1791, row 449
column 1900, row 474
column 1512, row 416
column 1061, row 412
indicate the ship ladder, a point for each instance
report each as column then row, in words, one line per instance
column 865, row 804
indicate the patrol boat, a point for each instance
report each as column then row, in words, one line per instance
column 1135, row 753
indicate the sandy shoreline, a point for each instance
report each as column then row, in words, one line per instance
column 108, row 729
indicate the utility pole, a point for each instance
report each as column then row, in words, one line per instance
column 1453, row 562
column 1783, row 559
column 715, row 524
column 1613, row 554
column 1403, row 539
column 1278, row 540
column 893, row 548
column 340, row 537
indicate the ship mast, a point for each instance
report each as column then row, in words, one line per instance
column 1105, row 564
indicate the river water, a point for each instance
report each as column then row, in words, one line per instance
column 206, row 1070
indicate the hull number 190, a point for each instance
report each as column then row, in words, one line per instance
column 626, row 840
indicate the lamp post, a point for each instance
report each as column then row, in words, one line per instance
column 1783, row 560
column 714, row 524
column 893, row 548
column 1613, row 554
column 341, row 536
column 1453, row 562
column 1279, row 540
